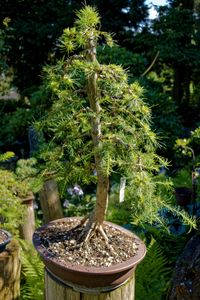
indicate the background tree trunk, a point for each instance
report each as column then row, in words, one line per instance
column 57, row 290
column 50, row 202
column 181, row 90
column 10, row 268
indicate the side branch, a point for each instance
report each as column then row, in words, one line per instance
column 151, row 65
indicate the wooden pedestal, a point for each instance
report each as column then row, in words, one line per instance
column 55, row 290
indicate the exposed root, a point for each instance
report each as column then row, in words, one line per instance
column 82, row 222
column 102, row 232
column 88, row 231
column 91, row 229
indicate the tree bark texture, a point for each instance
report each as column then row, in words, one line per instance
column 10, row 268
column 28, row 227
column 103, row 181
column 50, row 202
column 55, row 290
column 186, row 278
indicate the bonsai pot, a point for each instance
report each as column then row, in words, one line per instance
column 5, row 238
column 183, row 195
column 89, row 278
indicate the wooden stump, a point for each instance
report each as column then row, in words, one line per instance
column 28, row 227
column 50, row 202
column 55, row 290
column 10, row 268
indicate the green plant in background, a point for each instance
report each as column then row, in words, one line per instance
column 166, row 119
column 182, row 178
column 183, row 145
column 14, row 125
column 11, row 192
column 170, row 247
column 153, row 274
column 118, row 210
column 78, row 203
column 156, row 92
column 28, row 173
column 187, row 151
column 6, row 73
column 16, row 117
column 5, row 156
column 32, row 278
column 189, row 148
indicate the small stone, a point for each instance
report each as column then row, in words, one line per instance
column 61, row 241
column 72, row 242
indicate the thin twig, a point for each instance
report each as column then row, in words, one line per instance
column 151, row 65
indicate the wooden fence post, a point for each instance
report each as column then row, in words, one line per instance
column 28, row 227
column 10, row 268
column 50, row 202
column 56, row 290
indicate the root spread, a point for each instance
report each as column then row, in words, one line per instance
column 100, row 246
column 91, row 229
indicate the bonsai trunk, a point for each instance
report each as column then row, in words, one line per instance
column 97, row 216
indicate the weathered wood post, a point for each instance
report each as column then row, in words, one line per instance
column 50, row 201
column 55, row 289
column 10, row 268
column 28, row 227
column 49, row 197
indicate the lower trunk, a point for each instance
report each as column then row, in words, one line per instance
column 101, row 200
column 96, row 218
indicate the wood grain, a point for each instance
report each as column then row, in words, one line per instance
column 55, row 290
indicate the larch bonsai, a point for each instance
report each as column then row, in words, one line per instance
column 98, row 124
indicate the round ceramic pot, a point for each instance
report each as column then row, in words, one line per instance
column 89, row 278
column 6, row 241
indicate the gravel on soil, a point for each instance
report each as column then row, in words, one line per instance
column 61, row 241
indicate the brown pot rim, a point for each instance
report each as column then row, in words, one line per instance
column 130, row 263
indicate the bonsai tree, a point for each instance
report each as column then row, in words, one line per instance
column 98, row 125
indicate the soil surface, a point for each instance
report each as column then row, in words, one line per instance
column 3, row 236
column 61, row 241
